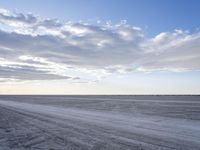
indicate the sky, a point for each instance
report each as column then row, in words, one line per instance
column 100, row 47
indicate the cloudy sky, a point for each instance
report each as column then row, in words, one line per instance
column 100, row 47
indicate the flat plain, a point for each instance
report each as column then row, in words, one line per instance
column 99, row 122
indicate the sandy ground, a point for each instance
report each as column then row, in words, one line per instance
column 100, row 122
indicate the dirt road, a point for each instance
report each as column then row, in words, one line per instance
column 25, row 125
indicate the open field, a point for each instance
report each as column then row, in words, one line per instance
column 100, row 122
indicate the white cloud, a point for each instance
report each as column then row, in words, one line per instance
column 178, row 51
column 42, row 47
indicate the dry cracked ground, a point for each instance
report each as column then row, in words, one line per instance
column 100, row 122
